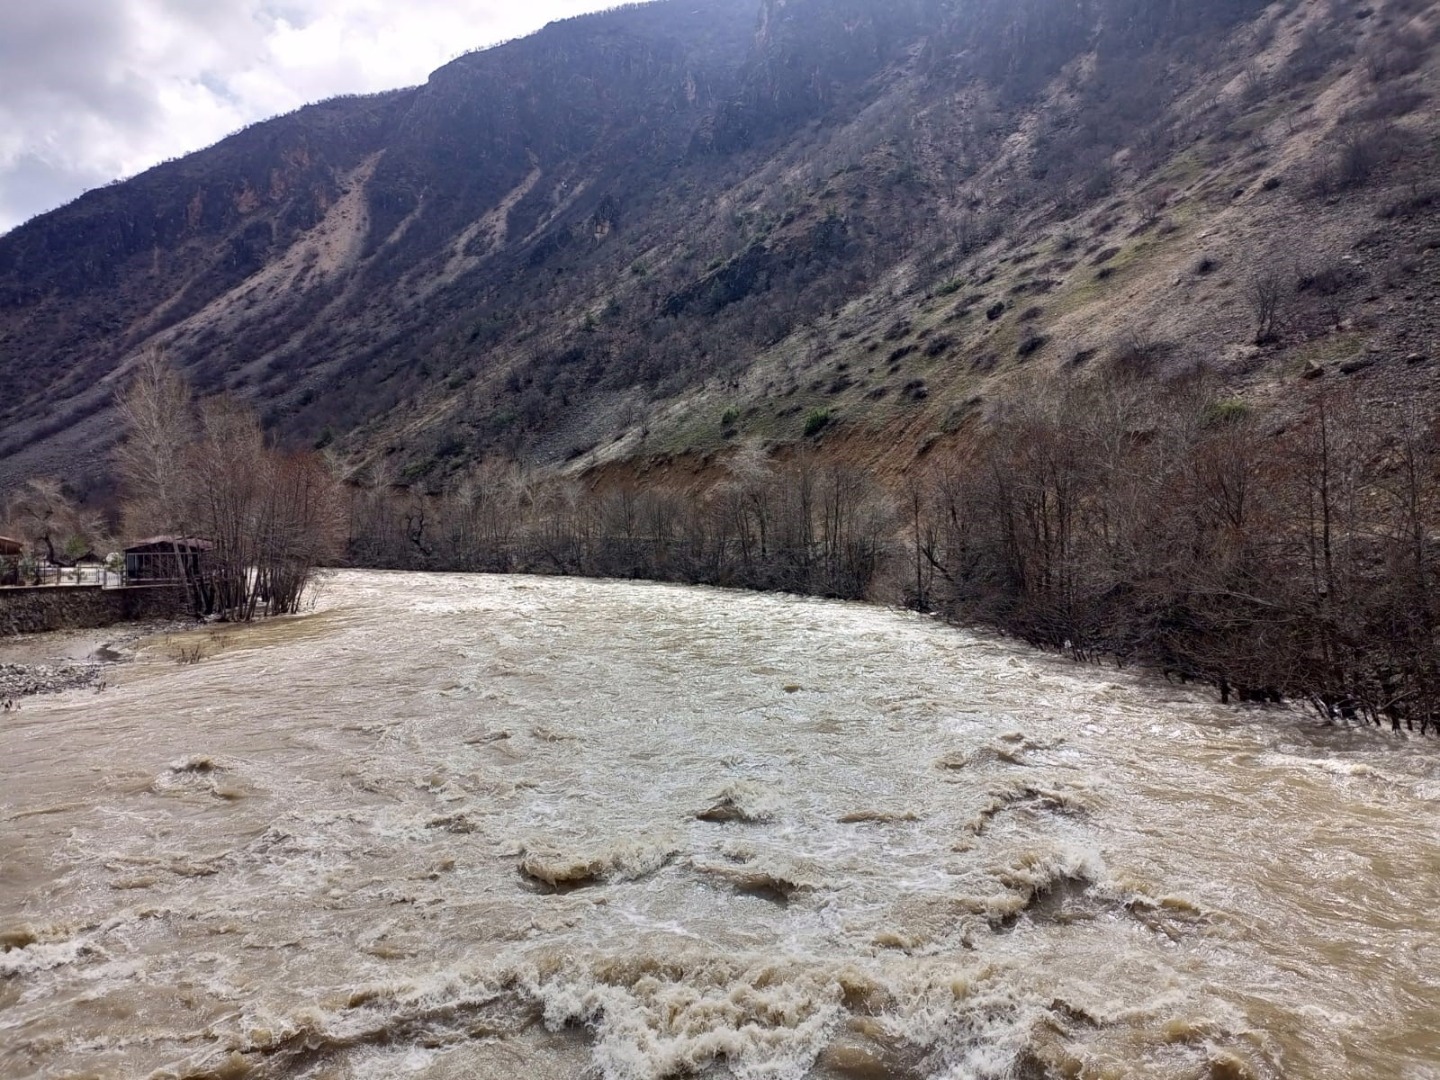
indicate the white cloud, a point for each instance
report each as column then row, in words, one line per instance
column 93, row 90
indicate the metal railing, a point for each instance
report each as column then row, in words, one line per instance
column 49, row 576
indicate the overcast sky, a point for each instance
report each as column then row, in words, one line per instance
column 93, row 90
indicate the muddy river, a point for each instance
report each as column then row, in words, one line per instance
column 460, row 827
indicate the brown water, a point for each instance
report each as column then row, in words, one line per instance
column 492, row 827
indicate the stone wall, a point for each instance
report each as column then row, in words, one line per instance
column 85, row 607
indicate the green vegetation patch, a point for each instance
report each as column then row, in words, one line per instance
column 817, row 420
column 1226, row 412
column 1329, row 349
column 1093, row 285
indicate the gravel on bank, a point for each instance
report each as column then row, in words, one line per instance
column 22, row 680
column 72, row 659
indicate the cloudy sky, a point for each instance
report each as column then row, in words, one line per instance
column 93, row 90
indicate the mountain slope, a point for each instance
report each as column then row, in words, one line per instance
column 658, row 229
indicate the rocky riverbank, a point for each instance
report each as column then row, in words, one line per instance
column 69, row 660
column 22, row 680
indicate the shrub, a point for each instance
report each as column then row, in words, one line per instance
column 1267, row 295
column 1314, row 54
column 1401, row 54
column 1030, row 344
column 1417, row 201
column 1325, row 280
column 1226, row 412
column 1389, row 103
column 1363, row 152
column 816, row 421
column 1135, row 354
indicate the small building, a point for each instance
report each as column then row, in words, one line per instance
column 89, row 567
column 167, row 559
column 11, row 552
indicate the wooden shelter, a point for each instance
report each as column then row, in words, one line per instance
column 162, row 560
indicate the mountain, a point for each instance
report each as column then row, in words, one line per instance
column 656, row 230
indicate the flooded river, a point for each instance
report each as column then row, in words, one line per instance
column 469, row 827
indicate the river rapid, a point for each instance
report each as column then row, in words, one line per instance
column 465, row 827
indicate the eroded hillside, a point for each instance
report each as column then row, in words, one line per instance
column 664, row 229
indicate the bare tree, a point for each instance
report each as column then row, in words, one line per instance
column 158, row 414
column 46, row 517
column 1267, row 292
column 269, row 518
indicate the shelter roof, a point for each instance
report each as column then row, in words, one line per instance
column 168, row 543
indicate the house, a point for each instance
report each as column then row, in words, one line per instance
column 163, row 559
column 11, row 552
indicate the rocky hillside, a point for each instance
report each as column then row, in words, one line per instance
column 671, row 227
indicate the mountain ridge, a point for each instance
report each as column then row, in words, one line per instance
column 594, row 244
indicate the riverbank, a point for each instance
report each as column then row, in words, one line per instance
column 59, row 660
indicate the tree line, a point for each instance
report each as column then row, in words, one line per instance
column 1280, row 560
column 1114, row 517
column 794, row 526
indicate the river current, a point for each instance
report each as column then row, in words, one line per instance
column 466, row 827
